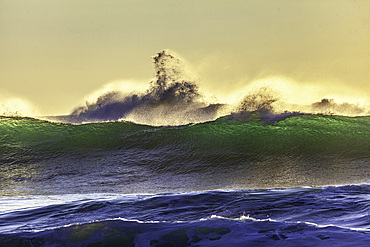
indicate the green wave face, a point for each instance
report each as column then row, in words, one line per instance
column 297, row 151
column 299, row 135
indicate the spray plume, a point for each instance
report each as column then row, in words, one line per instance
column 173, row 98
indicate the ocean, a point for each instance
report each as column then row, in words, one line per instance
column 165, row 168
column 299, row 180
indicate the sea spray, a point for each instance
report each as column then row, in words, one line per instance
column 172, row 99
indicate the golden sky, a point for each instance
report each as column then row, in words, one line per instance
column 55, row 52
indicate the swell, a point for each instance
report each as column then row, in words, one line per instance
column 213, row 232
column 329, row 216
column 303, row 204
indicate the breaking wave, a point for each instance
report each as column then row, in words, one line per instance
column 174, row 98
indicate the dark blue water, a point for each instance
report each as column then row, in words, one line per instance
column 330, row 216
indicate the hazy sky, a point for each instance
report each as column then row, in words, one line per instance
column 55, row 52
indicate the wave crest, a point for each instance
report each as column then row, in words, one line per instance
column 174, row 98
